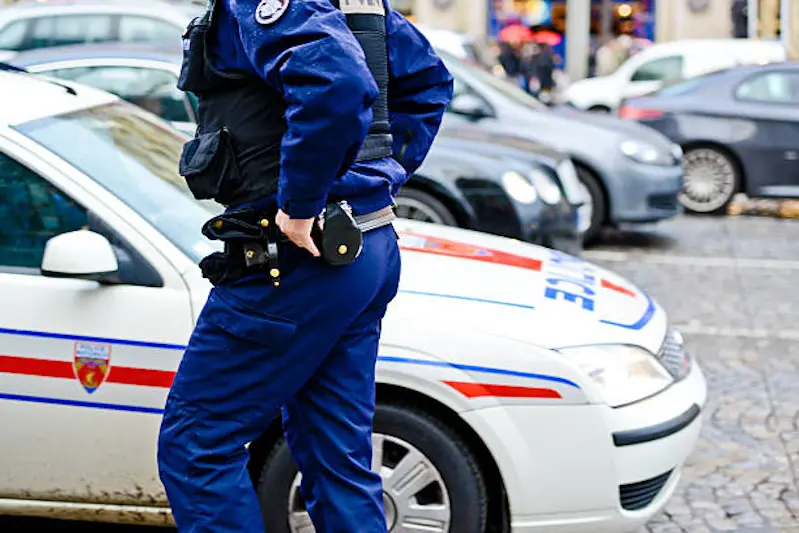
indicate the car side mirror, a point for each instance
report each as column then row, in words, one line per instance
column 81, row 255
column 470, row 105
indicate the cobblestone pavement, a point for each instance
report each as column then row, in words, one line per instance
column 732, row 286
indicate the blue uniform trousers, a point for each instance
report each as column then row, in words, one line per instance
column 308, row 346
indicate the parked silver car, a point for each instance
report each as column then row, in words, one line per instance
column 631, row 173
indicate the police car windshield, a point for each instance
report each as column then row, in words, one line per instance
column 135, row 158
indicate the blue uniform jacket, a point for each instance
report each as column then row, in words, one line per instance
column 312, row 58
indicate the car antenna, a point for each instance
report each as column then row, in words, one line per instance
column 11, row 68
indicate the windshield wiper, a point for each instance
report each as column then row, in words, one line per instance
column 12, row 68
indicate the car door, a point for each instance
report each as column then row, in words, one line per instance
column 770, row 100
column 149, row 85
column 653, row 74
column 84, row 366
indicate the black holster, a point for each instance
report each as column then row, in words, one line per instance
column 251, row 243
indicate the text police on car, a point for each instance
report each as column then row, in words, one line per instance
column 312, row 114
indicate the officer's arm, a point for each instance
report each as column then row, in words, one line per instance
column 420, row 90
column 311, row 57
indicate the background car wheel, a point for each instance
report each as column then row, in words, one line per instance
column 711, row 180
column 595, row 210
column 424, row 207
column 430, row 479
column 601, row 109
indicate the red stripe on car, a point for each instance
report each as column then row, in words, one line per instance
column 482, row 390
column 434, row 245
column 618, row 288
column 49, row 368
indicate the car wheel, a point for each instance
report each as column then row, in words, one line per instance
column 711, row 180
column 424, row 207
column 430, row 479
column 600, row 109
column 595, row 209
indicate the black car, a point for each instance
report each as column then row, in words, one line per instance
column 510, row 188
column 503, row 185
column 738, row 128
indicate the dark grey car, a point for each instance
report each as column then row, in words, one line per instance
column 739, row 130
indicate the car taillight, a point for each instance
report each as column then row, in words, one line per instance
column 639, row 113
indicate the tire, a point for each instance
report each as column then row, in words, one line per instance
column 598, row 207
column 419, row 205
column 599, row 109
column 712, row 179
column 457, row 482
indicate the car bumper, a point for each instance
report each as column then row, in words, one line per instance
column 556, row 227
column 645, row 193
column 564, row 473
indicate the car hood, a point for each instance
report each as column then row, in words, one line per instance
column 473, row 132
column 606, row 121
column 466, row 280
column 584, row 126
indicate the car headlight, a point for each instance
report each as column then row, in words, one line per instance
column 676, row 152
column 624, row 374
column 519, row 188
column 643, row 152
column 547, row 188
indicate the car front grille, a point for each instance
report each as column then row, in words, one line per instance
column 674, row 356
column 637, row 496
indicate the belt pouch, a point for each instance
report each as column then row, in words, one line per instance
column 209, row 165
column 193, row 72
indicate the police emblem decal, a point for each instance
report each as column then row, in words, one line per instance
column 268, row 11
column 91, row 364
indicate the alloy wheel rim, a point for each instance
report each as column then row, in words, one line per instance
column 413, row 209
column 415, row 496
column 709, row 180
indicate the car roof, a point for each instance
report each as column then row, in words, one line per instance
column 176, row 12
column 714, row 43
column 755, row 49
column 152, row 52
column 24, row 97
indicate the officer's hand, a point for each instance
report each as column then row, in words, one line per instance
column 298, row 231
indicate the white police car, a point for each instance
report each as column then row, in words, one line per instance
column 519, row 389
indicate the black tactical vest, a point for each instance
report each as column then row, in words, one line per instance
column 235, row 155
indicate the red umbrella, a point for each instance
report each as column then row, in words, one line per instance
column 548, row 37
column 516, row 33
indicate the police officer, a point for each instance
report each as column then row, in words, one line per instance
column 307, row 107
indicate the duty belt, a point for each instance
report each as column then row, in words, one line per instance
column 251, row 240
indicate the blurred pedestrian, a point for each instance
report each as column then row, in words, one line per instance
column 528, row 68
column 509, row 59
column 612, row 54
column 545, row 72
